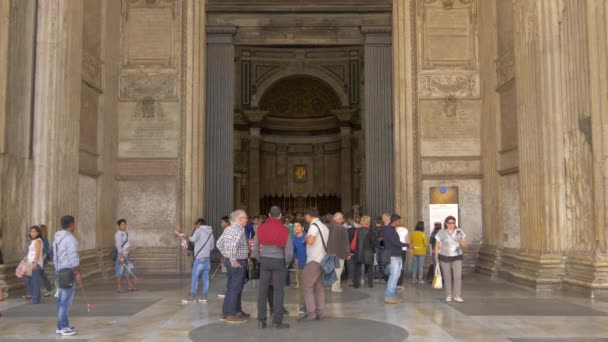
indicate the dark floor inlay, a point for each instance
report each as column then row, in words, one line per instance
column 560, row 339
column 102, row 307
column 522, row 307
column 291, row 295
column 328, row 329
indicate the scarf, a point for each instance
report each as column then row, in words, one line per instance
column 273, row 232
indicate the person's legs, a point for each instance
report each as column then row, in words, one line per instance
column 401, row 280
column 369, row 269
column 457, row 269
column 446, row 273
column 233, row 286
column 242, row 278
column 415, row 268
column 205, row 275
column 45, row 281
column 337, row 286
column 421, row 267
column 64, row 303
column 197, row 269
column 279, row 271
column 379, row 256
column 118, row 271
column 357, row 275
column 319, row 294
column 395, row 269
column 299, row 275
column 35, row 286
column 265, row 276
column 312, row 273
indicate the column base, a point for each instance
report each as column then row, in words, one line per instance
column 587, row 274
column 542, row 271
column 488, row 261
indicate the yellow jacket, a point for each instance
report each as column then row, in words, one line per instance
column 419, row 242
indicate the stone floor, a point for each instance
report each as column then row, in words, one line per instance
column 492, row 311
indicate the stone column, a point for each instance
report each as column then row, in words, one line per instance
column 219, row 153
column 539, row 262
column 492, row 221
column 378, row 121
column 255, row 118
column 5, row 7
column 346, row 170
column 56, row 111
column 282, row 172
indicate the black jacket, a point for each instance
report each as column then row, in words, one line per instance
column 392, row 244
column 364, row 253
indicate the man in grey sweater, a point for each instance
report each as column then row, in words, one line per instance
column 204, row 243
column 273, row 248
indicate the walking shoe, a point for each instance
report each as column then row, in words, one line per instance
column 302, row 310
column 202, row 299
column 244, row 315
column 448, row 299
column 391, row 300
column 420, row 281
column 235, row 319
column 223, row 317
column 280, row 325
column 336, row 291
column 47, row 293
column 458, row 299
column 67, row 331
column 285, row 312
column 26, row 297
column 262, row 324
column 191, row 299
column 221, row 295
column 308, row 318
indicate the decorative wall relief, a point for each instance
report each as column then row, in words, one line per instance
column 91, row 70
column 450, row 127
column 337, row 70
column 505, row 69
column 300, row 97
column 150, row 32
column 448, row 36
column 139, row 86
column 148, row 129
column 454, row 85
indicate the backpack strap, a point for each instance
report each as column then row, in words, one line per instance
column 322, row 238
column 205, row 244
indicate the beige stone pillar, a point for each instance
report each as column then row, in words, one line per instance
column 405, row 117
column 539, row 262
column 57, row 111
column 346, row 186
column 192, row 156
column 5, row 7
column 492, row 235
column 254, row 172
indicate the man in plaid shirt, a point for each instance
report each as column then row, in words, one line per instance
column 235, row 249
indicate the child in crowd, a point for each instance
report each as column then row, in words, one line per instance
column 299, row 252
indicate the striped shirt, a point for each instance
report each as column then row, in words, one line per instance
column 233, row 244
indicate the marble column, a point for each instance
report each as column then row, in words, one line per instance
column 192, row 155
column 378, row 121
column 56, row 132
column 253, row 207
column 282, row 173
column 539, row 262
column 219, row 153
column 346, row 186
column 5, row 7
column 492, row 234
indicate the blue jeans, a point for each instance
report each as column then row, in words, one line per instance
column 200, row 269
column 395, row 267
column 235, row 280
column 418, row 266
column 32, row 284
column 64, row 303
column 122, row 270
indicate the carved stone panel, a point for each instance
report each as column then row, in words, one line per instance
column 150, row 32
column 450, row 127
column 138, row 86
column 148, row 129
column 89, row 107
column 440, row 85
column 448, row 36
column 505, row 69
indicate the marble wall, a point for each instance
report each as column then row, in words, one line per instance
column 87, row 212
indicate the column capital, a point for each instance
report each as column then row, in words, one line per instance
column 255, row 116
column 220, row 34
column 377, row 34
column 344, row 115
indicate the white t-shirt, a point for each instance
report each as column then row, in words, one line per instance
column 402, row 231
column 316, row 251
column 31, row 254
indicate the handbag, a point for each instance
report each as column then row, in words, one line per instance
column 23, row 269
column 66, row 278
column 437, row 280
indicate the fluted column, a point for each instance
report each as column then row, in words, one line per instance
column 282, row 172
column 378, row 121
column 346, row 170
column 219, row 154
column 56, row 111
column 540, row 134
column 254, row 172
column 492, row 222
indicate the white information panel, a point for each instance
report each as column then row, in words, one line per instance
column 438, row 213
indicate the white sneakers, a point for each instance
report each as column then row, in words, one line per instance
column 67, row 331
column 456, row 299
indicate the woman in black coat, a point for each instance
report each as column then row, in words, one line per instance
column 362, row 247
